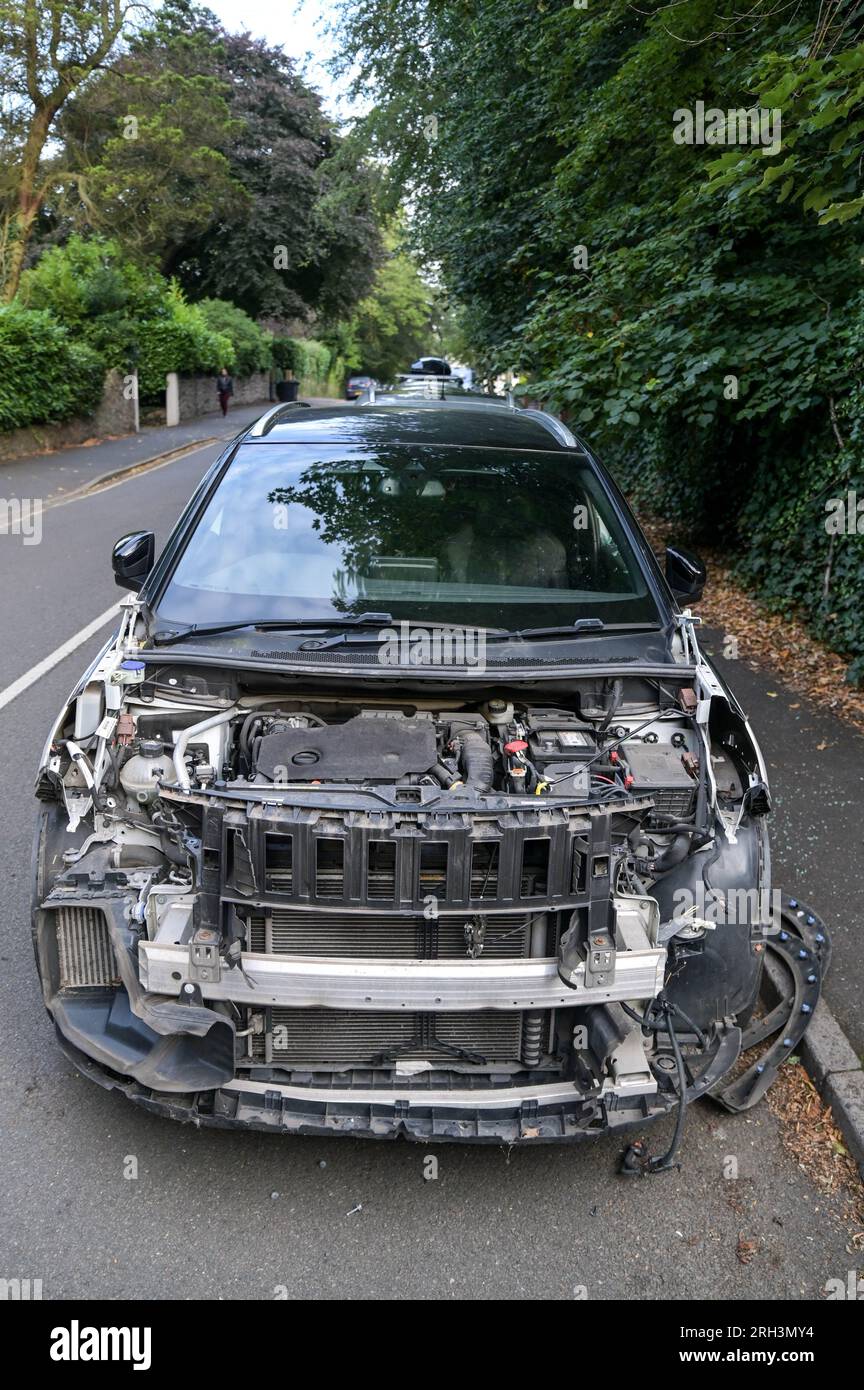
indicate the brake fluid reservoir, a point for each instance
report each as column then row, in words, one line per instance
column 140, row 775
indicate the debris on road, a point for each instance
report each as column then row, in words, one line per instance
column 808, row 1132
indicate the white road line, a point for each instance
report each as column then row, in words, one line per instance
column 43, row 667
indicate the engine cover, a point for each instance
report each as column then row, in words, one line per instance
column 382, row 748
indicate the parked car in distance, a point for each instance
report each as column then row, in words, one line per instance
column 357, row 384
column 430, row 366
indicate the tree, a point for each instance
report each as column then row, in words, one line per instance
column 98, row 295
column 47, row 50
column 148, row 142
column 391, row 327
column 206, row 149
column 126, row 314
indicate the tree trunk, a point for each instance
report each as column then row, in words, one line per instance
column 29, row 200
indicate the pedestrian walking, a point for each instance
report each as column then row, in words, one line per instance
column 224, row 388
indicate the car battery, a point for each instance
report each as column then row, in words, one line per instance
column 561, row 746
column 658, row 771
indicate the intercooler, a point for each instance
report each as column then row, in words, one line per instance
column 84, row 949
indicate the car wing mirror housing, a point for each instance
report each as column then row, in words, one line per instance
column 132, row 559
column 685, row 574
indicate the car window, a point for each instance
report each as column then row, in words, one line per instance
column 464, row 536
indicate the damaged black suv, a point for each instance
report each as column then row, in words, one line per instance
column 403, row 802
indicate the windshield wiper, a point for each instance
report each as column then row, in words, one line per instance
column 582, row 625
column 168, row 638
column 425, row 624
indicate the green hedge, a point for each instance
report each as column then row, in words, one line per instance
column 250, row 345
column 766, row 488
column 45, row 376
column 96, row 293
column 178, row 340
column 310, row 361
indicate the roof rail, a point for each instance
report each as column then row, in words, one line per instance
column 554, row 426
column 264, row 424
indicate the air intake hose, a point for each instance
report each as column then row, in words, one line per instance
column 476, row 760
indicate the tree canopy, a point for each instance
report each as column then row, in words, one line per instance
column 203, row 151
column 696, row 308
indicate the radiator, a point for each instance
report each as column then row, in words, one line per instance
column 339, row 1037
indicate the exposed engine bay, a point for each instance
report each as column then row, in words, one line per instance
column 513, row 912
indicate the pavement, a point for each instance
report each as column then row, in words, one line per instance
column 248, row 1216
column 65, row 471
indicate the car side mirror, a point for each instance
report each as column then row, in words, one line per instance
column 685, row 574
column 132, row 559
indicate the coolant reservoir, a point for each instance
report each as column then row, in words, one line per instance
column 139, row 776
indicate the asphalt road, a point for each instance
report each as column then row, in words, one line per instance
column 234, row 1216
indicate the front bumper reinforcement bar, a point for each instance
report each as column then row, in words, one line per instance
column 305, row 982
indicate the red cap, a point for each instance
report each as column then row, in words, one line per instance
column 613, row 756
column 628, row 780
column 517, row 745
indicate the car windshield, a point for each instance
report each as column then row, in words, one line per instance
column 470, row 536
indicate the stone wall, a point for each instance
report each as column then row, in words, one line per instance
column 115, row 416
column 198, row 393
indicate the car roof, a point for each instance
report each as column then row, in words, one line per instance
column 452, row 423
